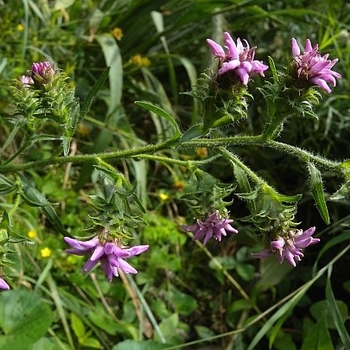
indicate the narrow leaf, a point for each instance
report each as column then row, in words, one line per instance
column 335, row 313
column 273, row 70
column 192, row 133
column 34, row 198
column 316, row 187
column 161, row 113
column 93, row 92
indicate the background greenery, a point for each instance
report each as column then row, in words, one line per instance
column 184, row 294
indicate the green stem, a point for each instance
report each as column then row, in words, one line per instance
column 258, row 180
column 148, row 151
column 87, row 158
column 303, row 155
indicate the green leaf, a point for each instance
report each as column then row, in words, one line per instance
column 24, row 319
column 192, row 133
column 334, row 311
column 47, row 344
column 318, row 336
column 77, row 325
column 102, row 320
column 273, row 70
column 93, row 92
column 139, row 345
column 92, row 343
column 161, row 113
column 184, row 304
column 34, row 198
column 342, row 193
column 168, row 327
column 6, row 186
column 316, row 187
column 113, row 60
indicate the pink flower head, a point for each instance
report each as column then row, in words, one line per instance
column 42, row 72
column 314, row 68
column 290, row 247
column 237, row 59
column 214, row 226
column 110, row 254
column 3, row 284
column 27, row 81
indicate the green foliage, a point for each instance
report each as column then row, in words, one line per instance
column 82, row 155
column 24, row 319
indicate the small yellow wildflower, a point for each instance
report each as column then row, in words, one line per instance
column 45, row 252
column 202, row 152
column 145, row 62
column 163, row 196
column 179, row 185
column 140, row 61
column 31, row 234
column 83, row 130
column 20, row 27
column 117, row 33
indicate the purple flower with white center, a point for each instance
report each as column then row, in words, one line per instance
column 110, row 254
column 314, row 68
column 238, row 60
column 214, row 226
column 290, row 247
column 3, row 284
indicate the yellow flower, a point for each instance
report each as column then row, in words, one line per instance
column 145, row 61
column 31, row 234
column 117, row 33
column 163, row 196
column 140, row 61
column 20, row 27
column 202, row 152
column 179, row 185
column 83, row 130
column 45, row 252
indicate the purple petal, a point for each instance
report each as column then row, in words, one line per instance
column 82, row 245
column 231, row 46
column 109, row 270
column 89, row 265
column 321, row 83
column 98, row 252
column 261, row 255
column 3, row 284
column 229, row 228
column 127, row 268
column 295, row 48
column 216, row 49
column 308, row 46
column 243, row 74
column 278, row 244
column 227, row 66
column 77, row 251
column 136, row 250
column 208, row 235
column 289, row 257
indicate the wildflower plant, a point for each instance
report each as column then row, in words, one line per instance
column 46, row 110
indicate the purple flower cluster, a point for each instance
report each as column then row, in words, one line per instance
column 42, row 73
column 3, row 284
column 237, row 59
column 43, row 69
column 111, row 255
column 290, row 248
column 214, row 226
column 313, row 67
